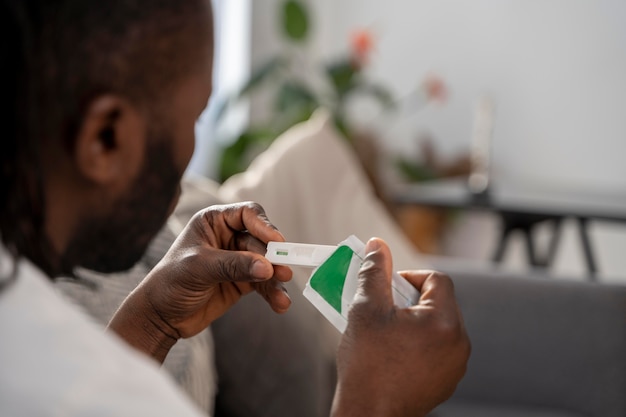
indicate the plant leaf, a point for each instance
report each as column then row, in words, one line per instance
column 293, row 94
column 295, row 20
column 258, row 77
column 237, row 156
column 413, row 171
column 261, row 74
column 382, row 94
column 342, row 126
column 342, row 74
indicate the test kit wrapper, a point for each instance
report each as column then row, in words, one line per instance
column 333, row 283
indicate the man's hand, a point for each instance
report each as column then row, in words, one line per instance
column 216, row 260
column 399, row 362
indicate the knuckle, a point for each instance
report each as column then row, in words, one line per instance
column 445, row 328
column 259, row 213
column 192, row 261
column 254, row 207
column 450, row 331
column 227, row 269
column 441, row 277
column 371, row 266
column 198, row 216
column 443, row 280
column 206, row 214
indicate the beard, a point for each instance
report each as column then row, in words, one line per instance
column 116, row 240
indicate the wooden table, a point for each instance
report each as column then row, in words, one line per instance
column 522, row 207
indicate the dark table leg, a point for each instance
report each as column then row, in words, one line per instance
column 544, row 259
column 502, row 242
column 526, row 223
column 589, row 258
column 530, row 247
column 554, row 242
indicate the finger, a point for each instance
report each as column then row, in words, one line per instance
column 282, row 273
column 375, row 275
column 275, row 294
column 251, row 217
column 247, row 242
column 237, row 266
column 437, row 290
column 416, row 277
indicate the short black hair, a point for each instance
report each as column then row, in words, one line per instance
column 59, row 55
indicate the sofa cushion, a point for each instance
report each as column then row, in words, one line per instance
column 548, row 342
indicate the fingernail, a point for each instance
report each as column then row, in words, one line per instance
column 372, row 245
column 261, row 270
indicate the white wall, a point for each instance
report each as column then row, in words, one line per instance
column 556, row 70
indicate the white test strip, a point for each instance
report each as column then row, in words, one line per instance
column 310, row 255
column 298, row 254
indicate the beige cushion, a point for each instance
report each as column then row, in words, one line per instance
column 314, row 190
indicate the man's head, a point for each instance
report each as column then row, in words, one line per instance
column 103, row 97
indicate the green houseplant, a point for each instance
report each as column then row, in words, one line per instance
column 295, row 95
column 296, row 89
column 294, row 98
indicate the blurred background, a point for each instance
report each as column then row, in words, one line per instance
column 554, row 72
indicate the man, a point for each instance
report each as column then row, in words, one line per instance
column 99, row 129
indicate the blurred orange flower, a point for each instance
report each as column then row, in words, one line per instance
column 434, row 88
column 362, row 43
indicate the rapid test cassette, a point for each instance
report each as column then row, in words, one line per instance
column 333, row 283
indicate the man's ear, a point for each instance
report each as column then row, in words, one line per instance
column 111, row 141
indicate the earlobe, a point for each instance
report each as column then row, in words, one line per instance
column 110, row 144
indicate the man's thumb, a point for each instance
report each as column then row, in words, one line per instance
column 375, row 274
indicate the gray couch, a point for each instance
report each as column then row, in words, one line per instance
column 542, row 347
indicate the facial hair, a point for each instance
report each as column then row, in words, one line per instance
column 116, row 240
